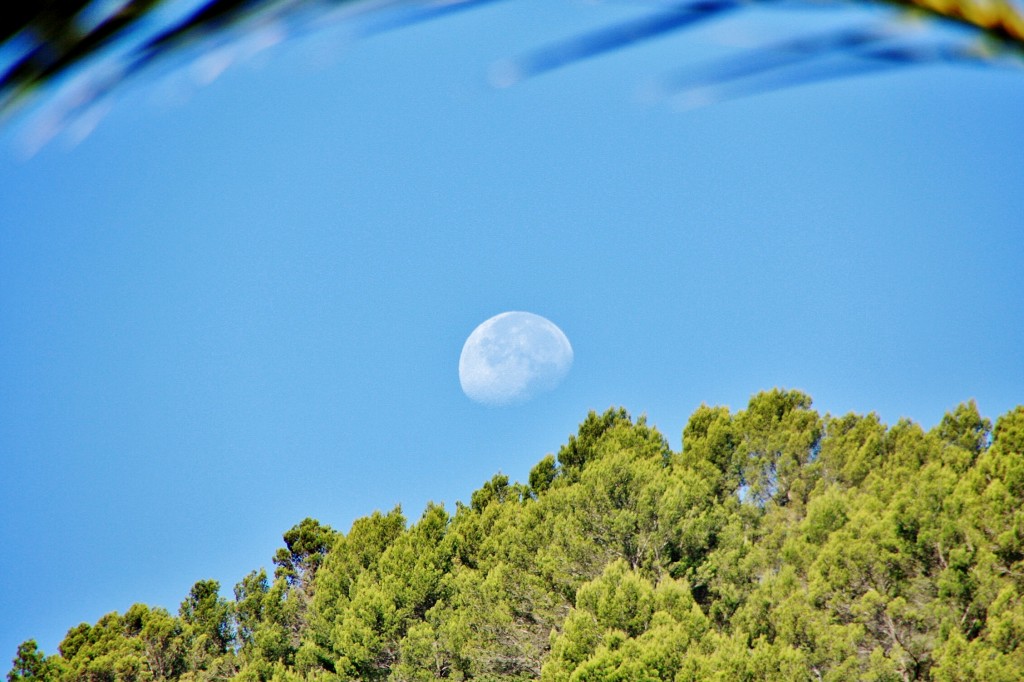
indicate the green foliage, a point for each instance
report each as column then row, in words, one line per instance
column 965, row 428
column 778, row 434
column 580, row 448
column 494, row 490
column 543, row 475
column 777, row 545
column 29, row 664
column 208, row 616
column 305, row 547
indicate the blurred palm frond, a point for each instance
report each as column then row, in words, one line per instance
column 43, row 43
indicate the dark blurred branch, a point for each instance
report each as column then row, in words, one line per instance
column 48, row 39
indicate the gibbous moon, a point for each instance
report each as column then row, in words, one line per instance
column 512, row 357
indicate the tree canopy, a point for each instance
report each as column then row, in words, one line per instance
column 778, row 544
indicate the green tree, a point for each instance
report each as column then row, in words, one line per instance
column 543, row 475
column 778, row 435
column 306, row 545
column 163, row 643
column 209, row 617
column 581, row 447
column 250, row 605
column 29, row 664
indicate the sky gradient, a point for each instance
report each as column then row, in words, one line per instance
column 234, row 306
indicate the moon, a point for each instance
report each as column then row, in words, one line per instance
column 513, row 357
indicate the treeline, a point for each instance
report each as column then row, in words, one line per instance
column 777, row 545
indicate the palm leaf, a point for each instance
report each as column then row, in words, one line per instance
column 42, row 43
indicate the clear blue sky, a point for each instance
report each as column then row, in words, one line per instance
column 225, row 313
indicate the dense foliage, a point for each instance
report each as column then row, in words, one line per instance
column 777, row 545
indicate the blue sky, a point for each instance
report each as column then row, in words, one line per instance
column 226, row 311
